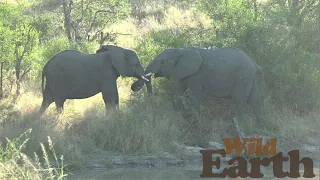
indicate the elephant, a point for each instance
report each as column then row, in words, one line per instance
column 71, row 74
column 222, row 72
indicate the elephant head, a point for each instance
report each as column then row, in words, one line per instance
column 171, row 63
column 125, row 61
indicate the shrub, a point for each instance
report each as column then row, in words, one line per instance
column 291, row 71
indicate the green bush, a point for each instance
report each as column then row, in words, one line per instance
column 59, row 44
column 42, row 54
column 291, row 71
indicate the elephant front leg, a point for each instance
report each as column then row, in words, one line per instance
column 192, row 101
column 195, row 96
column 178, row 97
column 110, row 95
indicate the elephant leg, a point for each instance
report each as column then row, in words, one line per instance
column 240, row 96
column 177, row 101
column 239, row 107
column 195, row 97
column 110, row 95
column 46, row 101
column 256, row 103
column 195, row 92
column 59, row 104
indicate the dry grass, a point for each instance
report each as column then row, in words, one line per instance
column 84, row 133
column 8, row 1
column 17, row 165
column 141, row 125
column 173, row 18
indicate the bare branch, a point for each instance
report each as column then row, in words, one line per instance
column 25, row 49
column 25, row 72
column 96, row 35
column 27, row 43
column 309, row 7
column 76, row 31
column 95, row 17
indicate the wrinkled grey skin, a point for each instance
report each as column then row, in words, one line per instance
column 224, row 72
column 74, row 75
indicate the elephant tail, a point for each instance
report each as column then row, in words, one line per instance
column 42, row 81
column 261, row 81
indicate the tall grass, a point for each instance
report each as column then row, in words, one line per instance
column 15, row 164
column 143, row 125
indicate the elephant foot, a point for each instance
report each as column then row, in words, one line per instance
column 111, row 110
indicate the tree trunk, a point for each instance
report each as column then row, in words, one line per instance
column 1, row 79
column 319, row 13
column 255, row 10
column 294, row 11
column 17, row 67
column 67, row 18
column 18, row 88
column 101, row 39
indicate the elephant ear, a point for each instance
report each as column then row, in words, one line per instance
column 102, row 49
column 187, row 63
column 118, row 57
column 131, row 57
column 119, row 62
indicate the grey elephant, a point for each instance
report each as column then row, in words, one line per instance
column 74, row 75
column 224, row 72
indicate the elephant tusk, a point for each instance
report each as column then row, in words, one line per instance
column 144, row 78
column 149, row 74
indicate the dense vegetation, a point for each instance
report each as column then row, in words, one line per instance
column 281, row 35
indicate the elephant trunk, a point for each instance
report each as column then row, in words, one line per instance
column 140, row 74
column 153, row 67
column 138, row 85
column 145, row 79
column 150, row 69
column 148, row 84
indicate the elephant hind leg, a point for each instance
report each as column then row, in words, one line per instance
column 59, row 104
column 239, row 107
column 46, row 101
column 256, row 103
column 44, row 106
column 240, row 96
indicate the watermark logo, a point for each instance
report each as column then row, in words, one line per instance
column 254, row 147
